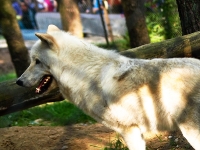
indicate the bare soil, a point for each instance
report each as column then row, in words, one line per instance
column 74, row 137
column 78, row 137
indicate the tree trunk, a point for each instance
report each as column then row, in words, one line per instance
column 13, row 36
column 189, row 11
column 70, row 17
column 14, row 98
column 135, row 22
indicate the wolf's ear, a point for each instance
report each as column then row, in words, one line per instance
column 52, row 27
column 49, row 40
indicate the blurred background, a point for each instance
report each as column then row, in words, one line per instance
column 116, row 23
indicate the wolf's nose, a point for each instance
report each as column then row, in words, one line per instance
column 19, row 82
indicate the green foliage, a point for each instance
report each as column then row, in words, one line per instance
column 155, row 27
column 162, row 20
column 8, row 76
column 52, row 114
column 116, row 144
column 171, row 22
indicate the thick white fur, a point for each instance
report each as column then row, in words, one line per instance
column 130, row 96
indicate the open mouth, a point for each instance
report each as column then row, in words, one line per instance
column 44, row 84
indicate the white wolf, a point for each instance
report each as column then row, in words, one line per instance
column 130, row 96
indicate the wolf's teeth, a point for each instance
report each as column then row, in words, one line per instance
column 43, row 85
column 37, row 90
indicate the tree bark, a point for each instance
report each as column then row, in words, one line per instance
column 70, row 17
column 11, row 32
column 135, row 22
column 189, row 11
column 14, row 98
column 183, row 46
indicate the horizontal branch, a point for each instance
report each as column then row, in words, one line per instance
column 183, row 46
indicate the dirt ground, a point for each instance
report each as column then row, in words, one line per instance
column 74, row 137
column 78, row 137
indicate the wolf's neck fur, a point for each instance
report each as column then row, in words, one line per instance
column 85, row 65
column 81, row 53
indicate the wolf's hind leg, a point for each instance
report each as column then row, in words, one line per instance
column 192, row 133
column 134, row 139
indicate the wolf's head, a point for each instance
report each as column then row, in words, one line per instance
column 42, row 56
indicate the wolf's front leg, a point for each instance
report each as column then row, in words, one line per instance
column 134, row 139
column 192, row 133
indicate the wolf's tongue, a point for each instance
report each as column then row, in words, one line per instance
column 44, row 84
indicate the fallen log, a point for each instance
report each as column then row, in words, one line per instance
column 183, row 46
column 15, row 98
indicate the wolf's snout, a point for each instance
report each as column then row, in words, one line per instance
column 19, row 82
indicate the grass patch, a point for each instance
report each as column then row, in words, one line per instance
column 120, row 44
column 8, row 76
column 51, row 114
column 116, row 144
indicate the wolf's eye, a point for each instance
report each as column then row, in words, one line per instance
column 37, row 61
